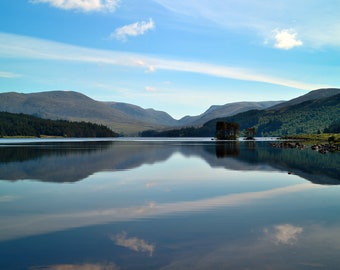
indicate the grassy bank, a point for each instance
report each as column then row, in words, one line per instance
column 324, row 137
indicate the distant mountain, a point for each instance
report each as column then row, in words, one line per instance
column 226, row 110
column 121, row 117
column 314, row 112
column 129, row 119
column 312, row 95
column 73, row 106
column 144, row 115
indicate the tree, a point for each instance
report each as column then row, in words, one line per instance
column 227, row 131
column 250, row 133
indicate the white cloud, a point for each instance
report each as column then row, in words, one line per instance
column 14, row 46
column 135, row 29
column 82, row 5
column 286, row 39
column 133, row 243
column 8, row 75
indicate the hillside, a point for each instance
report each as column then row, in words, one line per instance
column 72, row 106
column 310, row 116
column 27, row 125
column 225, row 110
column 144, row 115
column 127, row 119
column 316, row 112
column 312, row 95
column 310, row 113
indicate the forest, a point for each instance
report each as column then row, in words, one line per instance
column 12, row 124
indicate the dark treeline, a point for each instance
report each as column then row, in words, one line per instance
column 12, row 124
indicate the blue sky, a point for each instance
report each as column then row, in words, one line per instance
column 179, row 56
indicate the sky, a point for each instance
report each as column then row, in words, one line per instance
column 178, row 56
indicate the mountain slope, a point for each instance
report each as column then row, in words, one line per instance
column 120, row 117
column 226, row 110
column 12, row 124
column 309, row 116
column 312, row 95
column 73, row 106
column 277, row 118
column 144, row 115
column 316, row 111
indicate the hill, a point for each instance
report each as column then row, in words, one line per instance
column 27, row 125
column 312, row 116
column 309, row 113
column 312, row 95
column 144, row 115
column 314, row 112
column 225, row 110
column 124, row 118
column 72, row 106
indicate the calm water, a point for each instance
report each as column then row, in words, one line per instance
column 153, row 204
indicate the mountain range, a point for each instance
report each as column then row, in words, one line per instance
column 121, row 117
column 129, row 119
column 316, row 112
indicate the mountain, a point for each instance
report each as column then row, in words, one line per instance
column 121, row 117
column 308, row 113
column 225, row 110
column 73, row 106
column 312, row 95
column 145, row 115
column 314, row 112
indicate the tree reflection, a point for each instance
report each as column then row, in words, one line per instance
column 225, row 149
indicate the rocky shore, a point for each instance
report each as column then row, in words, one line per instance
column 321, row 148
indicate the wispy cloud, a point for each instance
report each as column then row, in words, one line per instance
column 8, row 75
column 82, row 5
column 262, row 17
column 134, row 29
column 286, row 39
column 15, row 46
column 133, row 243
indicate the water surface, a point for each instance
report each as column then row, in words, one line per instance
column 167, row 204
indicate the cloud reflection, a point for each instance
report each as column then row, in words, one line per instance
column 286, row 234
column 110, row 266
column 7, row 198
column 18, row 226
column 133, row 243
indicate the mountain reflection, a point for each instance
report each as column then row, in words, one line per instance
column 70, row 162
